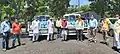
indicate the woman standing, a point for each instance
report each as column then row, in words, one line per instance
column 79, row 28
column 105, row 27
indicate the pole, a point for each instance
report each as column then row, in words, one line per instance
column 78, row 3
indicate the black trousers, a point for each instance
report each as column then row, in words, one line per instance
column 80, row 34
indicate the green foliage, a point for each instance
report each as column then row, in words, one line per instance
column 102, row 6
column 58, row 7
column 71, row 10
column 34, row 7
column 84, row 8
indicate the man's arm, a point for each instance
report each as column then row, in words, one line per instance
column 47, row 23
column 96, row 24
column 2, row 28
column 12, row 27
column 83, row 24
column 32, row 25
column 89, row 24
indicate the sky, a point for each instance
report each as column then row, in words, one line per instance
column 82, row 2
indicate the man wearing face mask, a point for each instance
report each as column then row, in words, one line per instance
column 35, row 28
column 5, row 30
column 16, row 29
column 64, row 26
column 92, row 28
column 58, row 23
column 50, row 29
column 117, row 33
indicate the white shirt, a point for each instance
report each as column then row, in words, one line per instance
column 35, row 26
column 50, row 26
column 4, row 27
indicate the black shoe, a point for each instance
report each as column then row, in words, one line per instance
column 118, row 50
column 13, row 47
column 62, row 40
column 19, row 44
column 33, row 41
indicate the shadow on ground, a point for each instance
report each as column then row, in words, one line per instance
column 74, row 37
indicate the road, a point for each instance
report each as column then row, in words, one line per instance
column 57, row 47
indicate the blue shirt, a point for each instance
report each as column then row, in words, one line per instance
column 5, row 27
column 93, row 23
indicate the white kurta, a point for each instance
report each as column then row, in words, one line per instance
column 35, row 26
column 50, row 26
column 117, row 30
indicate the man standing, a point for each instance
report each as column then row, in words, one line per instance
column 35, row 28
column 58, row 24
column 50, row 29
column 117, row 33
column 92, row 27
column 16, row 29
column 64, row 27
column 5, row 30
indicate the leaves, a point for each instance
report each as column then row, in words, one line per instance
column 102, row 6
column 58, row 7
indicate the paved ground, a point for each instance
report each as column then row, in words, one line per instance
column 57, row 47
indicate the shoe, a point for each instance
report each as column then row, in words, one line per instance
column 95, row 41
column 4, row 49
column 33, row 41
column 19, row 44
column 118, row 50
column 62, row 40
column 13, row 47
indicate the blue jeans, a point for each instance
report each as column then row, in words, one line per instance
column 58, row 32
column 16, row 36
column 5, row 41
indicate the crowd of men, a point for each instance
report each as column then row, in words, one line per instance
column 62, row 27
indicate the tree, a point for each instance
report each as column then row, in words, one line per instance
column 71, row 10
column 58, row 7
column 106, row 7
column 100, row 6
column 84, row 8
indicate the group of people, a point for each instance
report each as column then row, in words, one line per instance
column 62, row 30
column 60, row 24
column 116, row 30
column 7, row 29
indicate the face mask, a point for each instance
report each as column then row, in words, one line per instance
column 6, row 20
column 117, row 17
